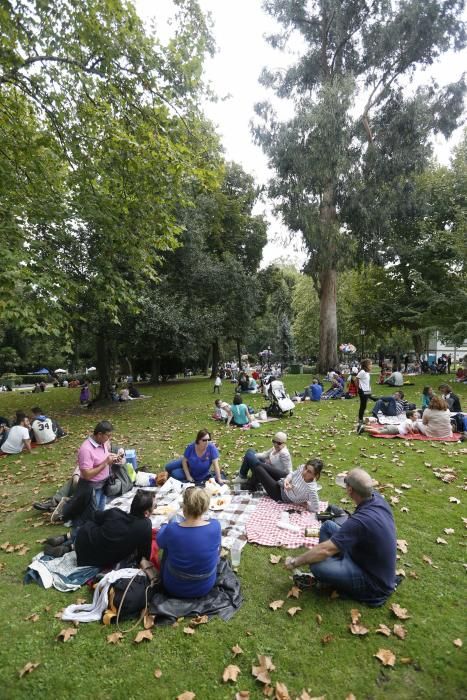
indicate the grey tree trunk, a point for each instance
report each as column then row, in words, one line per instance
column 215, row 357
column 104, row 367
column 155, row 369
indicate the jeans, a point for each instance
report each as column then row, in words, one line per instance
column 387, row 406
column 269, row 477
column 249, row 461
column 175, row 470
column 343, row 574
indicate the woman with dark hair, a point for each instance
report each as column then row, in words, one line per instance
column 198, row 459
column 436, row 421
column 191, row 548
column 240, row 413
column 297, row 487
column 111, row 536
column 451, row 398
column 427, row 395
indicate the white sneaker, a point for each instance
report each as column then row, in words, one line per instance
column 239, row 480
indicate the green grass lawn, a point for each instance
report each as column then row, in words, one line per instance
column 428, row 664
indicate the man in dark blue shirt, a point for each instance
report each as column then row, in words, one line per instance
column 358, row 558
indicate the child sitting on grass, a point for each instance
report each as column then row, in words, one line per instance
column 407, row 427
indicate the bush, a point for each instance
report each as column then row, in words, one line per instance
column 309, row 369
column 11, row 379
column 35, row 378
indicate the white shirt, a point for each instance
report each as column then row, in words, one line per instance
column 14, row 443
column 364, row 381
column 43, row 431
column 217, row 381
column 406, row 427
column 301, row 491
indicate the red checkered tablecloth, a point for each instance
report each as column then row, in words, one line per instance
column 261, row 527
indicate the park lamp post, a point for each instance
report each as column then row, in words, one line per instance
column 362, row 333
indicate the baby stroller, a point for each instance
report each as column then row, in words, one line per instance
column 280, row 401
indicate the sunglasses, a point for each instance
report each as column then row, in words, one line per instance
column 277, row 442
column 205, row 439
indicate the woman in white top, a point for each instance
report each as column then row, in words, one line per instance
column 277, row 461
column 364, row 389
column 436, row 421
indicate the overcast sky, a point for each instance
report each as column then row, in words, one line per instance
column 242, row 52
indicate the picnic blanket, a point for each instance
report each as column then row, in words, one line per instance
column 63, row 573
column 169, row 498
column 224, row 599
column 262, row 528
column 418, row 436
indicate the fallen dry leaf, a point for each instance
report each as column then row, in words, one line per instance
column 243, row 695
column 66, row 634
column 358, row 629
column 188, row 630
column 187, row 695
column 405, row 660
column 319, row 619
column 453, row 499
column 275, row 559
column 148, row 621
column 384, row 629
column 427, row 560
column 293, row 611
column 261, row 674
column 276, row 604
column 200, row 620
column 399, row 612
column 355, row 615
column 413, row 574
column 400, row 572
column 236, row 650
column 458, row 643
column 334, row 595
column 386, row 657
column 142, row 636
column 114, row 638
column 400, row 631
column 440, row 540
column 402, row 545
column 266, row 662
column 29, row 668
column 350, row 696
column 230, row 673
column 294, row 592
column 268, row 690
column 281, row 692
column 327, row 638
column 32, row 618
column 448, row 530
column 157, row 673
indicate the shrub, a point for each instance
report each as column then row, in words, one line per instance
column 35, row 378
column 11, row 379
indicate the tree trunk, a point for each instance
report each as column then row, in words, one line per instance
column 130, row 368
column 239, row 355
column 155, row 369
column 208, row 360
column 418, row 344
column 327, row 321
column 215, row 357
column 329, row 233
column 104, row 367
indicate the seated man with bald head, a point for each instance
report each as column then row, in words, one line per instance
column 358, row 559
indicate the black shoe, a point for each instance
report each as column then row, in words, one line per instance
column 399, row 580
column 360, row 428
column 57, row 551
column 48, row 505
column 304, row 581
column 57, row 541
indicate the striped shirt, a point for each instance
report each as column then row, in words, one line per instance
column 300, row 491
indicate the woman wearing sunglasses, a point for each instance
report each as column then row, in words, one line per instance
column 277, row 461
column 199, row 458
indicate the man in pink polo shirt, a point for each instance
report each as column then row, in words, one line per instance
column 94, row 459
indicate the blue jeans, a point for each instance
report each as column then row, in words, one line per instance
column 250, row 460
column 343, row 574
column 387, row 406
column 175, row 470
